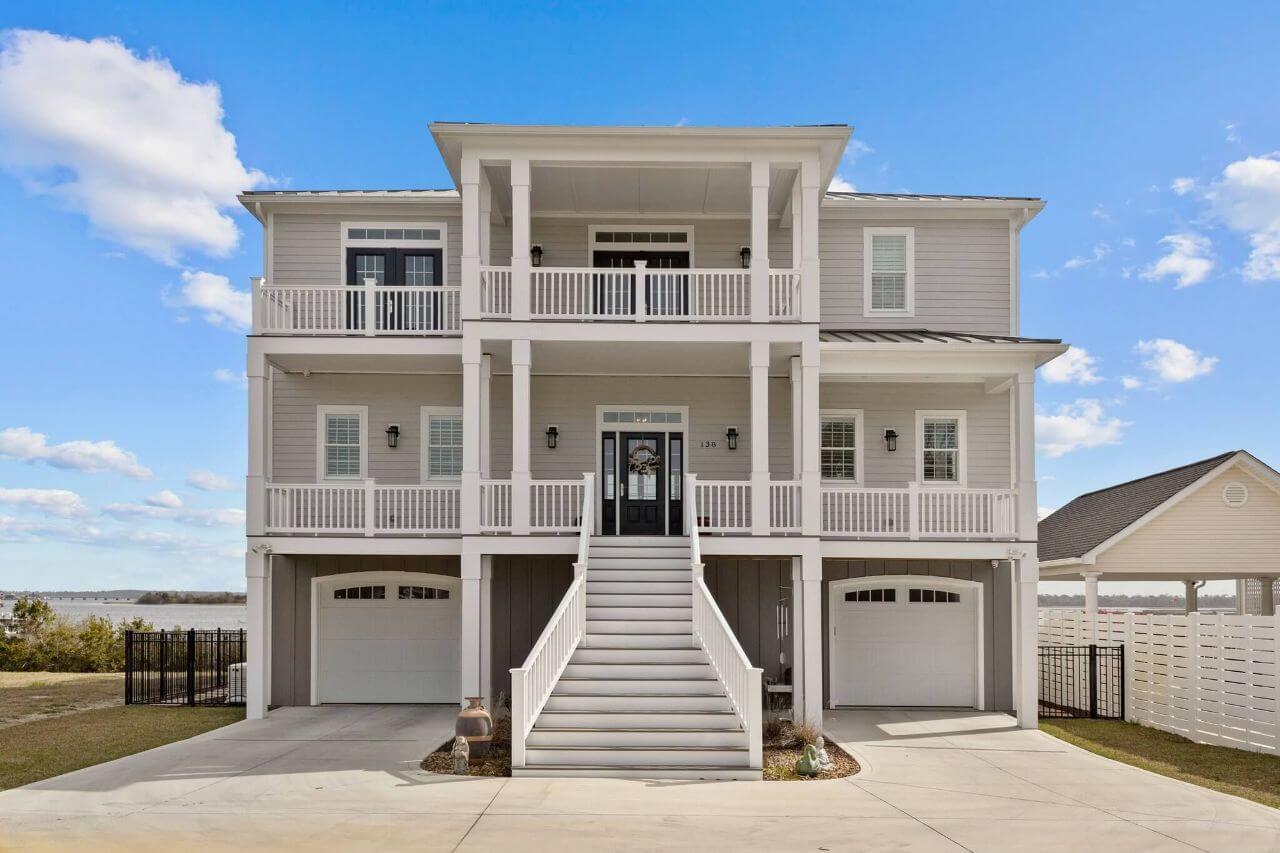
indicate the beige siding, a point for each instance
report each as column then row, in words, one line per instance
column 894, row 405
column 1201, row 536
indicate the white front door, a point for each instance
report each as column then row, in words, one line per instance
column 387, row 637
column 905, row 641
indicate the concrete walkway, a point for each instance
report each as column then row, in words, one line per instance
column 347, row 778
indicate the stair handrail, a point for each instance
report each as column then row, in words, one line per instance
column 742, row 682
column 532, row 683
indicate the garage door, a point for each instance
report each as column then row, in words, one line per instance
column 909, row 641
column 388, row 639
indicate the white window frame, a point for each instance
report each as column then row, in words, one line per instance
column 867, row 234
column 593, row 245
column 962, row 438
column 424, row 442
column 334, row 409
column 858, row 433
column 442, row 244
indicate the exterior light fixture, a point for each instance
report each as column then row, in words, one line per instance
column 553, row 436
column 535, row 255
column 891, row 439
column 731, row 435
column 745, row 254
column 393, row 435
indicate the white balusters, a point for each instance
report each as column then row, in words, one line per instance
column 784, row 507
column 495, row 506
column 362, row 310
column 495, row 292
column 555, row 506
column 917, row 511
column 723, row 506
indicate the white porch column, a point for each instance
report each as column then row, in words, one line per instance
column 521, row 237
column 470, row 238
column 472, row 411
column 486, row 380
column 1027, row 697
column 1268, row 602
column 486, row 630
column 811, row 467
column 486, row 218
column 811, row 200
column 257, row 576
column 811, row 629
column 469, row 655
column 1191, row 601
column 1091, row 593
column 797, row 419
column 521, row 358
column 256, row 481
column 1026, row 454
column 760, row 438
column 760, row 241
column 798, row 623
column 797, row 225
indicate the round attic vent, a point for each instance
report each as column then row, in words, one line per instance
column 1235, row 494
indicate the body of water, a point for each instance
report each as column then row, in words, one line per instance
column 160, row 615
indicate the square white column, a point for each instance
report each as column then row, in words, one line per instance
column 486, row 630
column 1026, row 454
column 811, row 581
column 257, row 575
column 810, row 200
column 798, row 622
column 486, row 381
column 259, row 438
column 470, row 260
column 1027, row 591
column 521, row 358
column 760, row 438
column 469, row 654
column 797, row 419
column 760, row 241
column 811, row 465
column 521, row 238
column 472, row 411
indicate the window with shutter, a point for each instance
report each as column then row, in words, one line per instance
column 840, row 445
column 442, row 444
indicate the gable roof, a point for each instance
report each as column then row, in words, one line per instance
column 1093, row 518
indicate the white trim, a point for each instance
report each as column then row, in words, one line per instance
column 910, row 296
column 442, row 244
column 902, row 582
column 859, row 434
column 962, row 439
column 453, row 584
column 593, row 245
column 601, row 427
column 424, row 457
column 335, row 409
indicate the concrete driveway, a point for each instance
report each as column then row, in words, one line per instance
column 347, row 778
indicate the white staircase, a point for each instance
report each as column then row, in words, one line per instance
column 639, row 697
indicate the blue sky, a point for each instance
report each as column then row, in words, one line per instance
column 1151, row 132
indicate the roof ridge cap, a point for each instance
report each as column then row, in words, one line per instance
column 1220, row 456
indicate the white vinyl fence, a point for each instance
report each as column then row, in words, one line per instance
column 1210, row 678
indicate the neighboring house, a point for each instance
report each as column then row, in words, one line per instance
column 1215, row 519
column 645, row 351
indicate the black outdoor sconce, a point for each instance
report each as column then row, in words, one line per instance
column 393, row 435
column 731, row 435
column 553, row 436
column 535, row 255
column 891, row 440
column 745, row 254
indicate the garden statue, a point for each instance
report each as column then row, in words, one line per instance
column 476, row 725
column 824, row 760
column 461, row 756
column 808, row 763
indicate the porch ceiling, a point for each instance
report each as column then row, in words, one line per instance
column 644, row 359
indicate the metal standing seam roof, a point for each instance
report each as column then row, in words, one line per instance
column 835, row 196
column 856, row 196
column 922, row 336
column 1093, row 518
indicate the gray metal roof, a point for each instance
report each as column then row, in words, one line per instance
column 927, row 197
column 405, row 193
column 429, row 193
column 921, row 336
column 1094, row 517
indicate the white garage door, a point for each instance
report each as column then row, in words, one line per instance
column 905, row 641
column 388, row 639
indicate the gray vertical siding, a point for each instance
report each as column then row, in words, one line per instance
column 751, row 593
column 525, row 592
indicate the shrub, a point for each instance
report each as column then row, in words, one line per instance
column 774, row 726
column 805, row 733
column 47, row 642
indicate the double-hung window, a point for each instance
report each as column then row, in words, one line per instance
column 841, row 447
column 888, row 271
column 940, row 438
column 441, row 444
column 340, row 442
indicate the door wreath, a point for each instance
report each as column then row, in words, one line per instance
column 644, row 460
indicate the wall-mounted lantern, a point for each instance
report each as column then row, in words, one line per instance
column 535, row 255
column 553, row 436
column 731, row 436
column 393, row 435
column 745, row 254
column 891, row 439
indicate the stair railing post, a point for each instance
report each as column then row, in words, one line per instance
column 642, row 292
column 517, row 718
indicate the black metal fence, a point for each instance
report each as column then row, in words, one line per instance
column 1082, row 681
column 184, row 667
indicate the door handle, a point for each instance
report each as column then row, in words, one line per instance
column 622, row 488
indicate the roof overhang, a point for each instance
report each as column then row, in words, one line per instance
column 1020, row 210
column 259, row 202
column 933, row 361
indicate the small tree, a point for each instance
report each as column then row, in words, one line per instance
column 30, row 614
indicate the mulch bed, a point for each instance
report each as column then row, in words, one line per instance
column 783, row 750
column 496, row 762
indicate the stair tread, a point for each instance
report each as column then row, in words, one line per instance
column 639, row 697
column 664, row 711
column 632, row 677
column 612, row 748
column 587, row 729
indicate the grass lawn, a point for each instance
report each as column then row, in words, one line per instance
column 1251, row 775
column 44, row 748
column 30, row 695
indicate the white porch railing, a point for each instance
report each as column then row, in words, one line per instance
column 742, row 681
column 417, row 509
column 723, row 506
column 915, row 512
column 495, row 506
column 555, row 506
column 531, row 684
column 784, row 294
column 366, row 309
column 784, row 506
column 363, row 507
column 640, row 294
column 581, row 293
column 495, row 292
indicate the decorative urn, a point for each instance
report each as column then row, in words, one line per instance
column 476, row 725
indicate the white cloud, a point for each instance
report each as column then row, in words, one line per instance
column 1128, row 242
column 1247, row 199
column 1174, row 362
column 59, row 502
column 1099, row 212
column 840, row 185
column 123, row 139
column 230, row 377
column 1100, row 251
column 208, row 481
column 1043, row 512
column 1189, row 260
column 1074, row 365
column 1130, row 383
column 1182, row 186
column 165, row 498
column 91, row 456
column 1232, row 130
column 222, row 305
column 1076, row 426
column 855, row 149
column 1041, row 273
column 81, row 533
column 229, row 517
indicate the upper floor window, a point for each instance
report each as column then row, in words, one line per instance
column 441, row 444
column 407, row 255
column 940, row 439
column 841, row 447
column 340, row 442
column 888, row 271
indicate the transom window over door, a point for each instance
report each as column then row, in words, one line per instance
column 940, row 436
column 841, row 447
column 341, row 431
column 441, row 444
column 888, row 271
